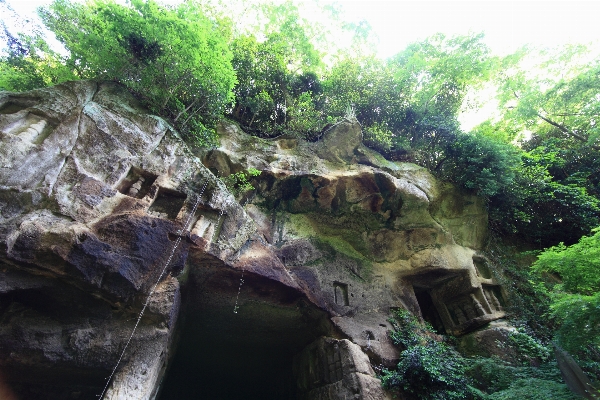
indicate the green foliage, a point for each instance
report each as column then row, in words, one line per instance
column 562, row 103
column 435, row 75
column 304, row 119
column 378, row 137
column 577, row 265
column 367, row 84
column 428, row 368
column 238, row 183
column 408, row 105
column 278, row 88
column 576, row 293
column 496, row 379
column 556, row 196
column 579, row 326
column 176, row 60
column 534, row 389
column 480, row 163
column 541, row 208
column 528, row 348
column 30, row 63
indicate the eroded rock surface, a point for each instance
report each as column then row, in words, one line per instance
column 362, row 236
column 95, row 193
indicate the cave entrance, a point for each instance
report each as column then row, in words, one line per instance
column 245, row 355
column 428, row 309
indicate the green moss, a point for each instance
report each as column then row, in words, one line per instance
column 302, row 225
column 305, row 226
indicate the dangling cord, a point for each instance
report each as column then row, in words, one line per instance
column 236, row 307
column 238, row 293
column 175, row 245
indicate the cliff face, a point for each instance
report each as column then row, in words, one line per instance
column 98, row 197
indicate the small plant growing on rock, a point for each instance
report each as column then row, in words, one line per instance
column 350, row 113
column 238, row 183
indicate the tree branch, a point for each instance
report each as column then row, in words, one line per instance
column 567, row 131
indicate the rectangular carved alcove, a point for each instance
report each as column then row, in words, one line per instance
column 340, row 292
column 168, row 203
column 429, row 311
column 207, row 223
column 136, row 183
column 482, row 268
column 494, row 297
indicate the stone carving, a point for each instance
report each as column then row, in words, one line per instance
column 33, row 131
column 136, row 187
column 492, row 299
column 460, row 315
column 478, row 307
column 331, row 369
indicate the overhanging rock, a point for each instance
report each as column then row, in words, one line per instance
column 95, row 193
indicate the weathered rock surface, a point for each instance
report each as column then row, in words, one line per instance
column 95, row 193
column 330, row 369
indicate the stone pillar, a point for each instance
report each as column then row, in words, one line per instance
column 330, row 369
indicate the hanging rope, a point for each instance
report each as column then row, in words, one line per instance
column 235, row 308
column 151, row 292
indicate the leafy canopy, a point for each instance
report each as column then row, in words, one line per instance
column 576, row 294
column 175, row 59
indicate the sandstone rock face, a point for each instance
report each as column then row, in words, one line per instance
column 105, row 212
column 363, row 236
column 332, row 369
column 95, row 192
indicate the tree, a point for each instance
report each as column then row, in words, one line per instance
column 176, row 60
column 27, row 61
column 428, row 368
column 30, row 63
column 367, row 84
column 556, row 196
column 435, row 75
column 562, row 103
column 479, row 163
column 278, row 87
column 412, row 100
column 576, row 293
column 540, row 209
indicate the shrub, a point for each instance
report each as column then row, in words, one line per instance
column 238, row 183
column 534, row 389
column 498, row 379
column 378, row 137
column 479, row 163
column 576, row 294
column 428, row 368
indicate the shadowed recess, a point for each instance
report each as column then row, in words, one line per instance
column 245, row 355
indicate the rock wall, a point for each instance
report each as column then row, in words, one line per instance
column 101, row 201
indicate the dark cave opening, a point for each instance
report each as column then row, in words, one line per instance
column 428, row 310
column 245, row 355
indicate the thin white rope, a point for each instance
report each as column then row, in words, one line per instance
column 235, row 308
column 151, row 292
